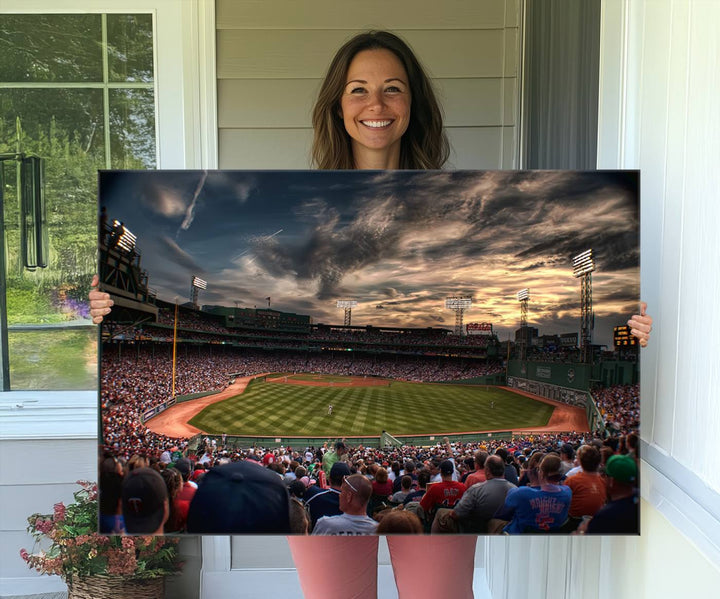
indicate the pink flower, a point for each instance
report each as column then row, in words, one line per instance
column 121, row 562
column 59, row 512
column 24, row 555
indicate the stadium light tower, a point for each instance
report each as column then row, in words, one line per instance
column 347, row 305
column 583, row 267
column 459, row 304
column 122, row 238
column 523, row 297
column 196, row 283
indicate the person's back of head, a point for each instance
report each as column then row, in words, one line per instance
column 406, row 482
column 399, row 522
column 495, row 467
column 551, row 468
column 238, row 498
column 589, row 458
column 423, row 478
column 145, row 504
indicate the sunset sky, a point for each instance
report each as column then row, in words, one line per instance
column 398, row 242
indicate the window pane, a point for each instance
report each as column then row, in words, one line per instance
column 66, row 127
column 132, row 128
column 53, row 359
column 130, row 47
column 50, row 48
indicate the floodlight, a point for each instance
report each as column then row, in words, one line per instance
column 199, row 283
column 124, row 239
column 583, row 263
column 458, row 303
column 523, row 294
column 347, row 305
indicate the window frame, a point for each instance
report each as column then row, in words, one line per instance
column 186, row 137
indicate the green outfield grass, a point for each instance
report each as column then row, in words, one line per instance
column 282, row 410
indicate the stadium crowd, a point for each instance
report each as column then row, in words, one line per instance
column 551, row 483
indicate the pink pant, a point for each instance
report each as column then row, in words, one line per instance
column 424, row 566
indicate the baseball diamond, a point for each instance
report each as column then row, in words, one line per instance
column 296, row 405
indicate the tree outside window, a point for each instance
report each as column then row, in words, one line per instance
column 78, row 91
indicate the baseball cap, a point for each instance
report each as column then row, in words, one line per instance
column 338, row 471
column 240, row 498
column 622, row 468
column 447, row 467
column 143, row 498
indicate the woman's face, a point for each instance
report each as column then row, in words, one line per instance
column 375, row 103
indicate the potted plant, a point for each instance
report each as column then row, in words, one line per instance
column 95, row 566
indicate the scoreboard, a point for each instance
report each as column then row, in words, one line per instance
column 622, row 337
column 479, row 328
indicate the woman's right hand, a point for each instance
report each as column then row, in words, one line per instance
column 100, row 302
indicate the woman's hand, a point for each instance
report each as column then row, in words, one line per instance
column 100, row 302
column 641, row 325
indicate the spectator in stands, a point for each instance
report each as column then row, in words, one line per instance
column 511, row 473
column 331, row 457
column 110, row 497
column 567, row 455
column 535, row 510
column 480, row 502
column 621, row 513
column 173, row 482
column 240, row 498
column 423, row 480
column 530, row 474
column 382, row 486
column 408, row 470
column 299, row 520
column 405, row 489
column 145, row 503
column 326, row 502
column 187, row 492
column 399, row 522
column 354, row 496
column 444, row 494
column 589, row 491
column 478, row 475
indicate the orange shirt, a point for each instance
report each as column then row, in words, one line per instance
column 589, row 493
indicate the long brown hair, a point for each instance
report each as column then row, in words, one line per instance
column 424, row 144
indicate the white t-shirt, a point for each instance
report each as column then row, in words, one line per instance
column 345, row 525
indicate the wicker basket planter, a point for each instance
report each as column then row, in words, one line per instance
column 116, row 587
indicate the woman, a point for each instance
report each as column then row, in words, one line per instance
column 376, row 109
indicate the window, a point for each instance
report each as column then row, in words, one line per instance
column 77, row 90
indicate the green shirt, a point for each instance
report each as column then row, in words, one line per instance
column 328, row 460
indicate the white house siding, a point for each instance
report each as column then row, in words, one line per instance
column 271, row 57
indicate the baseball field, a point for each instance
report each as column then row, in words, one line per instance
column 298, row 404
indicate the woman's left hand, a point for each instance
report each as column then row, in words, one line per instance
column 641, row 325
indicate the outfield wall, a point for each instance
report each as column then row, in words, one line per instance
column 242, row 442
column 572, row 397
column 158, row 409
column 570, row 376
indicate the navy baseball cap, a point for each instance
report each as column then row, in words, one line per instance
column 240, row 498
column 143, row 497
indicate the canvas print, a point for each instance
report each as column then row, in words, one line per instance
column 360, row 352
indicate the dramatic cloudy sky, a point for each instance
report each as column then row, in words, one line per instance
column 397, row 242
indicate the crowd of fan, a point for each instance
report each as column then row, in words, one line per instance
column 547, row 483
column 136, row 379
column 189, row 320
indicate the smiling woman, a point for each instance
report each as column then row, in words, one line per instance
column 375, row 78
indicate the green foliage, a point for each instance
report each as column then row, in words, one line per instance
column 77, row 550
column 53, row 359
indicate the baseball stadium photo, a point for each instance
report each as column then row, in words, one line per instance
column 288, row 347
